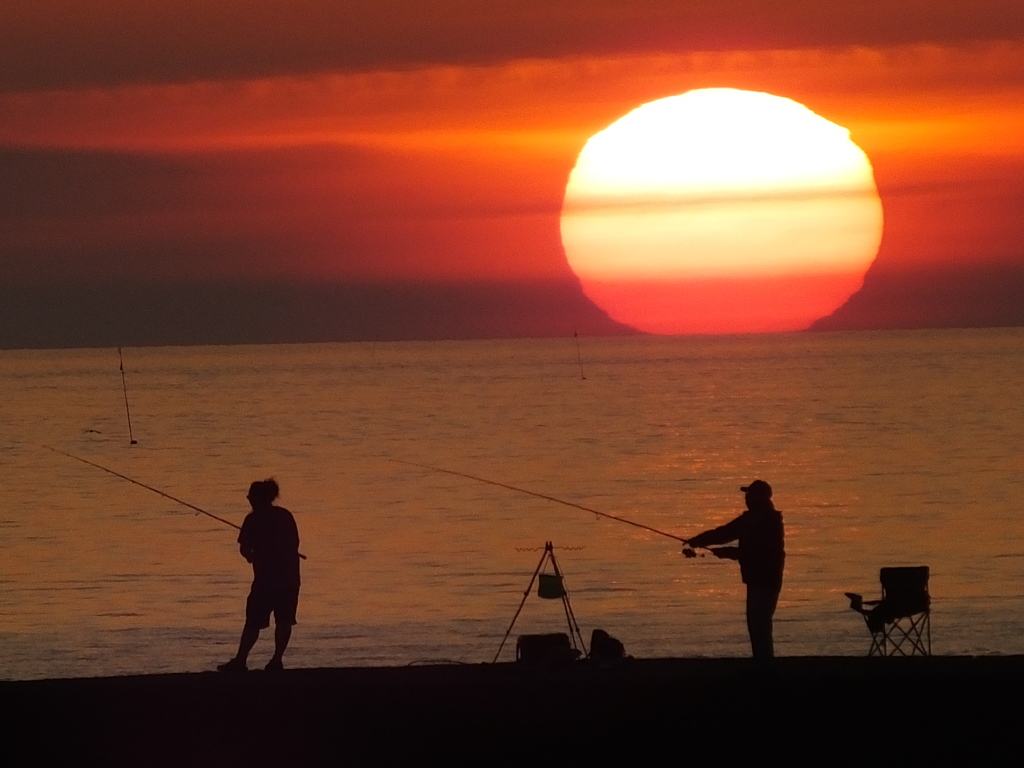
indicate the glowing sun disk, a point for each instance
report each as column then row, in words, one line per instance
column 720, row 185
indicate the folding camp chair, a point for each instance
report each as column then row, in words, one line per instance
column 899, row 623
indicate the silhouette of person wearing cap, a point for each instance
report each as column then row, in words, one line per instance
column 762, row 555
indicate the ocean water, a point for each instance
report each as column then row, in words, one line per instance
column 883, row 448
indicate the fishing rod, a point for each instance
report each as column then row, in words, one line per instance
column 127, row 410
column 546, row 498
column 149, row 488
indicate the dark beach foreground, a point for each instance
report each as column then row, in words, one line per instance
column 833, row 710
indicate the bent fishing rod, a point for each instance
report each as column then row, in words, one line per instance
column 149, row 488
column 546, row 497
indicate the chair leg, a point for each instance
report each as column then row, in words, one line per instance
column 877, row 648
column 896, row 640
column 911, row 640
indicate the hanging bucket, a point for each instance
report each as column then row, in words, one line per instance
column 550, row 586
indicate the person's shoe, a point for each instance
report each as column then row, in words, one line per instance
column 232, row 667
column 274, row 665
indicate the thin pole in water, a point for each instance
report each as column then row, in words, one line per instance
column 579, row 355
column 149, row 488
column 127, row 410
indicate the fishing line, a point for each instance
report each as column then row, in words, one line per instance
column 541, row 496
column 149, row 488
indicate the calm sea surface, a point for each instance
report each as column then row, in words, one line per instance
column 883, row 449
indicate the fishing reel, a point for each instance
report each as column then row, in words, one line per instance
column 722, row 553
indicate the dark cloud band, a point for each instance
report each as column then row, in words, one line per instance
column 52, row 44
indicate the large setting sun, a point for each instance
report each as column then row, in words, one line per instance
column 721, row 211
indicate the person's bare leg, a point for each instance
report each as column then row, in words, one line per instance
column 250, row 634
column 282, row 634
column 249, row 637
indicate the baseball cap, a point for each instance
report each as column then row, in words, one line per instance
column 758, row 488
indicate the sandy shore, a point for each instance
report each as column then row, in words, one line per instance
column 838, row 710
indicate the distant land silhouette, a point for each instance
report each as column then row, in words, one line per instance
column 131, row 314
column 962, row 296
column 105, row 315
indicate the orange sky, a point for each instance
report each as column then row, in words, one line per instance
column 431, row 141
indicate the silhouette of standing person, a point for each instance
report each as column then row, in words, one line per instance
column 269, row 539
column 762, row 556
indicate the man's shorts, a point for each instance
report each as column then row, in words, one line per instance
column 282, row 600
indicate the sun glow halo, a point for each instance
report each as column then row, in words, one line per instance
column 721, row 211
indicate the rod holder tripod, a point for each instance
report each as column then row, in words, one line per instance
column 550, row 587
